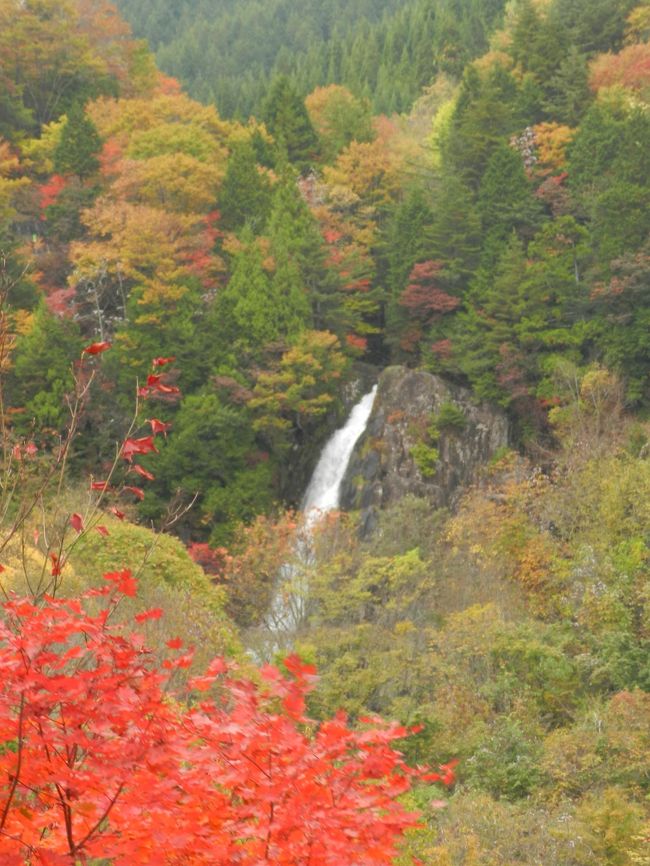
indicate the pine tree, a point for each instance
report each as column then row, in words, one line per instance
column 294, row 234
column 245, row 195
column 244, row 317
column 287, row 119
column 567, row 91
column 456, row 233
column 505, row 201
column 42, row 372
column 80, row 143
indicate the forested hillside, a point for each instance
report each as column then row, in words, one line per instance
column 385, row 51
column 190, row 291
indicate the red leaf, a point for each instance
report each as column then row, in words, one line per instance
column 168, row 389
column 138, row 492
column 154, row 383
column 159, row 426
column 140, row 470
column 154, row 613
column 96, row 348
column 124, row 581
column 143, row 445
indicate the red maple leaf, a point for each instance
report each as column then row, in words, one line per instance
column 143, row 445
column 96, row 348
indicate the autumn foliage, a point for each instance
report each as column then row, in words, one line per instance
column 99, row 760
column 423, row 297
column 629, row 69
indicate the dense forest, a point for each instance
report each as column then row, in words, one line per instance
column 385, row 51
column 189, row 288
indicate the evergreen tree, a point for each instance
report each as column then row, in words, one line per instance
column 567, row 91
column 245, row 194
column 287, row 119
column 293, row 310
column 592, row 25
column 456, row 233
column 42, row 373
column 505, row 201
column 486, row 112
column 294, row 234
column 79, row 145
column 211, row 452
column 244, row 317
column 406, row 241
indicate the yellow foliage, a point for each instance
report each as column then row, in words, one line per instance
column 638, row 23
column 172, row 181
column 367, row 170
column 9, row 184
column 38, row 153
column 121, row 118
column 551, row 141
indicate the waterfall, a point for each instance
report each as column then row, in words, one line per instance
column 324, row 490
column 323, row 493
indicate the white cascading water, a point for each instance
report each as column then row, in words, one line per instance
column 323, row 494
column 324, row 490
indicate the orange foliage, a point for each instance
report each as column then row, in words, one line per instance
column 629, row 69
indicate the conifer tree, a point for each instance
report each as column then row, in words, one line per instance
column 294, row 235
column 456, row 233
column 287, row 119
column 505, row 201
column 567, row 91
column 79, row 145
column 41, row 374
column 245, row 194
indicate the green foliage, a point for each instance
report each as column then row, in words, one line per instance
column 383, row 50
column 289, row 400
column 212, row 453
column 426, row 458
column 505, row 762
column 287, row 119
column 42, row 373
column 76, row 152
column 245, row 196
column 449, row 418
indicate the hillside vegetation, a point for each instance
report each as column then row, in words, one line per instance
column 188, row 286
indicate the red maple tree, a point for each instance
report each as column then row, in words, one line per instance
column 99, row 760
column 423, row 298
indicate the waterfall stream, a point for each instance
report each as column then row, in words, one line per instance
column 287, row 608
column 324, row 490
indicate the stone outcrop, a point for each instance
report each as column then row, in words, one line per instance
column 384, row 466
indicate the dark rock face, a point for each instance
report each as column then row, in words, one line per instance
column 383, row 467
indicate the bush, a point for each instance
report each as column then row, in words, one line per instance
column 426, row 458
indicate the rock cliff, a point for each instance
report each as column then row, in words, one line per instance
column 425, row 437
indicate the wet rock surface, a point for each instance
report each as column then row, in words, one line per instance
column 384, row 466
